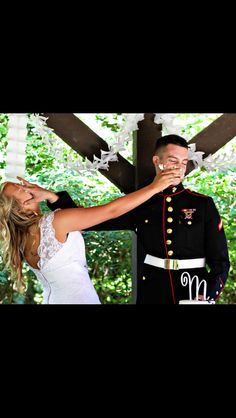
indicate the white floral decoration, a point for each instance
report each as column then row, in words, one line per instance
column 40, row 127
column 169, row 123
column 195, row 156
column 127, row 128
column 223, row 162
column 17, row 144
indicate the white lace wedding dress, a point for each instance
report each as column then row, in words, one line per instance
column 62, row 268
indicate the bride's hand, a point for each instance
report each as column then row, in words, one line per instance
column 165, row 178
column 39, row 194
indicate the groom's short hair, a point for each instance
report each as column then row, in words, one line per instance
column 170, row 139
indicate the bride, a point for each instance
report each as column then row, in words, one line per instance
column 52, row 244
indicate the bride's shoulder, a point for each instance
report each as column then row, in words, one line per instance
column 48, row 217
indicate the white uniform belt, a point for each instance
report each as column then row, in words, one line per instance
column 170, row 264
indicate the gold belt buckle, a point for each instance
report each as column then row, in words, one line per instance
column 170, row 264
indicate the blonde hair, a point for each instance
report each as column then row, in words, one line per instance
column 14, row 226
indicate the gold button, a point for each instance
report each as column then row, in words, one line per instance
column 189, row 223
column 170, row 253
column 170, row 209
column 174, row 189
column 169, row 231
column 146, row 221
column 168, row 242
column 144, row 278
column 170, row 220
column 168, row 199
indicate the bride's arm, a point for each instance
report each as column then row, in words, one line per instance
column 69, row 220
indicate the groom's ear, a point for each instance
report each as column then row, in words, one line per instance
column 155, row 160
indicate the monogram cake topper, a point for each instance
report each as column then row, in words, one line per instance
column 186, row 280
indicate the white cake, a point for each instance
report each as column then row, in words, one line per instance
column 196, row 302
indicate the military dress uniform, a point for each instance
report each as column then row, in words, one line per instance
column 181, row 236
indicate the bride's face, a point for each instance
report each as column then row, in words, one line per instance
column 22, row 197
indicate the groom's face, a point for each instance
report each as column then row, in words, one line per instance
column 172, row 156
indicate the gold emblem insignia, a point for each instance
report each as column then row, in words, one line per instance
column 188, row 213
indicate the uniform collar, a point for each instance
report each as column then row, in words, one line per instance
column 173, row 190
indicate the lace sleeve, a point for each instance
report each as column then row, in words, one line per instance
column 49, row 245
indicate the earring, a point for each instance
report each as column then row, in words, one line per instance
column 35, row 213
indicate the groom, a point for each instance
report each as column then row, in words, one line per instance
column 179, row 231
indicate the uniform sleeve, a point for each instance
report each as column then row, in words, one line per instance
column 64, row 202
column 217, row 257
column 124, row 222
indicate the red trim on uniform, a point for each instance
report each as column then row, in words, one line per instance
column 196, row 194
column 172, row 287
column 164, row 235
column 174, row 194
column 223, row 288
column 220, row 225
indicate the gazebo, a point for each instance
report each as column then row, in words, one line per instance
column 126, row 176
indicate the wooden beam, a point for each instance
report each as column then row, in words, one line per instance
column 87, row 143
column 143, row 150
column 123, row 174
column 214, row 136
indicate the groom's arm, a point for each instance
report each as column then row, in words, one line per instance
column 122, row 223
column 63, row 202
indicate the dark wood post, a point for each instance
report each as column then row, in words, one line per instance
column 143, row 151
